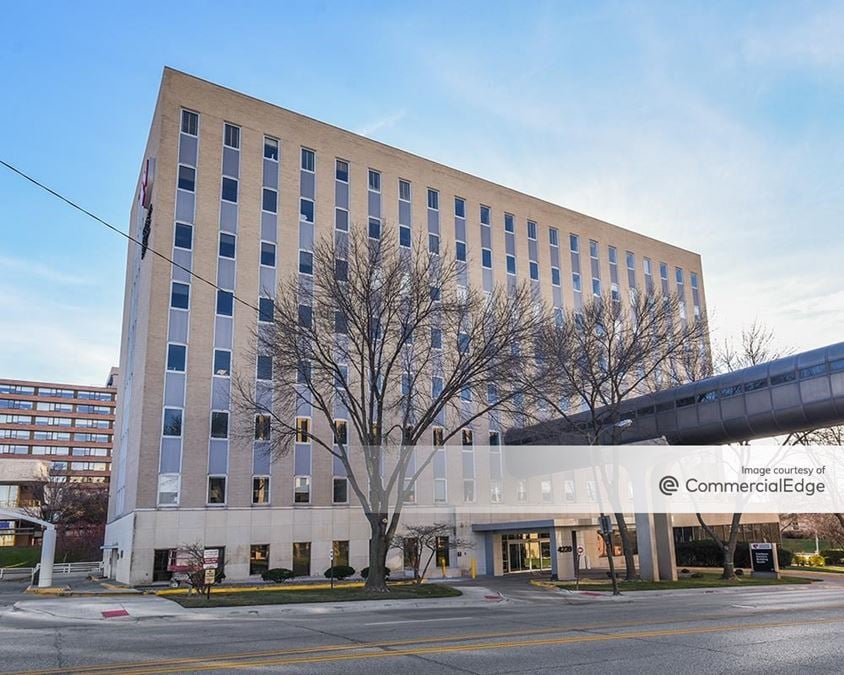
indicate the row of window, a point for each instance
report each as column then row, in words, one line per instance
column 15, row 404
column 25, row 434
column 53, row 392
column 55, row 421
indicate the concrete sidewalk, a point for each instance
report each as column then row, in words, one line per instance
column 128, row 608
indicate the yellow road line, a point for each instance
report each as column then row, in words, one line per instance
column 212, row 662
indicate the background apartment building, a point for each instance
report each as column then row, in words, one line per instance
column 50, row 431
column 237, row 191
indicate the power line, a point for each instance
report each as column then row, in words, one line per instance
column 128, row 236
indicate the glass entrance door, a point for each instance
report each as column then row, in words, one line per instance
column 527, row 552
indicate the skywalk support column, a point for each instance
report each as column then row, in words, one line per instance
column 649, row 568
column 48, row 551
column 664, row 540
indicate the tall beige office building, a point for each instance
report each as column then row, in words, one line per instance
column 237, row 191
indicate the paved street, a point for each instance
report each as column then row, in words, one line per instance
column 760, row 630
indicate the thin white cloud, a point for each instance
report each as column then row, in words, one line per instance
column 812, row 39
column 383, row 123
column 33, row 268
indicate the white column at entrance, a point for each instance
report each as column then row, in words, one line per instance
column 649, row 568
column 48, row 551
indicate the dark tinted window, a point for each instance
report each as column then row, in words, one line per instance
column 180, row 295
column 229, row 189
column 265, row 309
column 190, row 122
column 342, row 172
column 184, row 236
column 227, row 245
column 176, row 355
column 461, row 251
column 270, row 200
column 271, row 149
column 306, row 262
column 172, row 422
column 265, row 367
column 187, row 178
column 232, row 136
column 267, row 254
column 459, row 207
column 306, row 210
column 219, row 425
column 222, row 362
column 374, row 228
column 225, row 303
column 404, row 236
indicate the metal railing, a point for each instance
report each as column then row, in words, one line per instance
column 58, row 569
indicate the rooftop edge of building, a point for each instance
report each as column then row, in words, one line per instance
column 169, row 71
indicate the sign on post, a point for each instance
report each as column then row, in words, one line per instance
column 763, row 560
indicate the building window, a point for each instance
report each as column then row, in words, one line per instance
column 262, row 427
column 575, row 281
column 340, row 552
column 613, row 255
column 267, row 254
column 222, row 362
column 461, row 251
column 259, row 558
column 187, row 178
column 436, row 338
column 693, row 278
column 434, row 244
column 306, row 262
column 404, row 190
column 176, row 357
column 466, row 437
column 340, row 491
column 341, row 219
column 484, row 215
column 555, row 276
column 308, row 160
column 227, row 245
column 593, row 250
column 184, row 236
column 229, row 193
column 545, row 490
column 261, row 490
column 216, row 489
column 646, row 266
column 663, row 271
column 179, row 295
column 302, row 489
column 534, row 270
column 374, row 228
column 341, row 170
column 374, row 181
column 459, row 207
column 509, row 222
column 531, row 230
column 631, row 261
column 219, row 424
column 341, row 432
column 494, row 438
column 225, row 303
column 469, row 490
column 302, row 558
column 265, row 310
column 678, row 275
column 271, row 149
column 596, row 287
column 486, row 258
column 172, row 422
column 264, row 367
column 305, row 316
column 269, row 200
column 231, row 136
column 303, row 425
column 511, row 264
column 574, row 243
column 553, row 237
column 440, row 490
column 404, row 236
column 190, row 123
column 433, row 199
column 306, row 210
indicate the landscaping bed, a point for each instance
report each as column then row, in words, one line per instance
column 706, row 581
column 293, row 595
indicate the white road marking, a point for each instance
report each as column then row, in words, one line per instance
column 390, row 623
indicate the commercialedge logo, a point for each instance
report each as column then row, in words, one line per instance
column 669, row 485
column 778, row 486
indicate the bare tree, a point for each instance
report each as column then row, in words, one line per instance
column 391, row 337
column 755, row 345
column 191, row 560
column 421, row 543
column 600, row 355
column 78, row 511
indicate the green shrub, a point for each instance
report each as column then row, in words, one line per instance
column 339, row 572
column 809, row 560
column 833, row 556
column 365, row 573
column 278, row 574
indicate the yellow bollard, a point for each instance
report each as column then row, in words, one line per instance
column 474, row 568
column 443, row 567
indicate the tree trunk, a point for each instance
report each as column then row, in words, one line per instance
column 729, row 548
column 626, row 547
column 840, row 517
column 376, row 581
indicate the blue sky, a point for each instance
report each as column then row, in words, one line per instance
column 714, row 126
